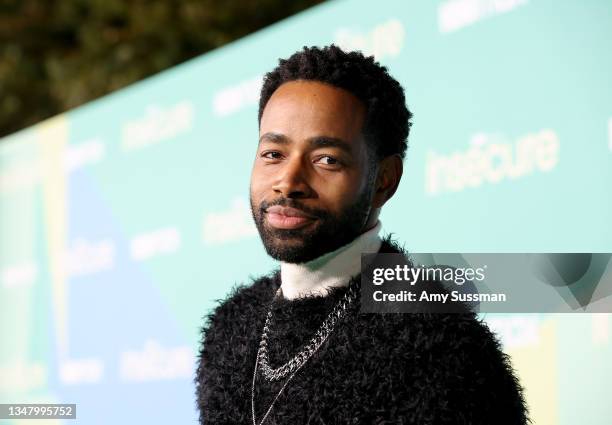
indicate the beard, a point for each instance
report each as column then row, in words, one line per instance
column 326, row 233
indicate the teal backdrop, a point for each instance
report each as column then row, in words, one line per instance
column 123, row 221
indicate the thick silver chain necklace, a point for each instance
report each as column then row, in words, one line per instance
column 296, row 362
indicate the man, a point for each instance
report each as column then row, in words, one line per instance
column 292, row 347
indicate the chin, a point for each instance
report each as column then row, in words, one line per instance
column 289, row 250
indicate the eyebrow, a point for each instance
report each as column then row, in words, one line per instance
column 314, row 142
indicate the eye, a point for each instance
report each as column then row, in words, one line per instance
column 328, row 160
column 271, row 155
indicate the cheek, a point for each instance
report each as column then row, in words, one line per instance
column 339, row 192
column 258, row 182
column 256, row 193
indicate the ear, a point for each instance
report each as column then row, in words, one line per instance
column 390, row 171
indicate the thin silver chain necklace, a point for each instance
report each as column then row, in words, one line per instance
column 292, row 366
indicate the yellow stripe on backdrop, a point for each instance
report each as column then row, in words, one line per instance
column 53, row 138
column 536, row 364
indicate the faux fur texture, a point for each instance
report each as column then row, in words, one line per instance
column 374, row 368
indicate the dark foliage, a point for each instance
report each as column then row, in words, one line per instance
column 58, row 54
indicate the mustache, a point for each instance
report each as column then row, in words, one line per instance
column 292, row 203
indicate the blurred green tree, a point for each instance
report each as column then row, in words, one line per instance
column 58, row 54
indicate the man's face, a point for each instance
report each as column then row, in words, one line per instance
column 311, row 184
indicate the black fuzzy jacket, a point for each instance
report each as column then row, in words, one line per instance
column 373, row 369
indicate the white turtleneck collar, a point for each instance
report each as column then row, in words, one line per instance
column 329, row 270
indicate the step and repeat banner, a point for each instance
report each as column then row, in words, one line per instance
column 123, row 221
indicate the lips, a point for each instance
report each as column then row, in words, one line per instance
column 287, row 217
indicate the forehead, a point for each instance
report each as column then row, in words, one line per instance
column 305, row 109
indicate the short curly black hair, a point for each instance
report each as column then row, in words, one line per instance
column 387, row 122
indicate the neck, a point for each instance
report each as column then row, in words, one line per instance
column 330, row 270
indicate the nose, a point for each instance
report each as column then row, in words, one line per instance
column 292, row 182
